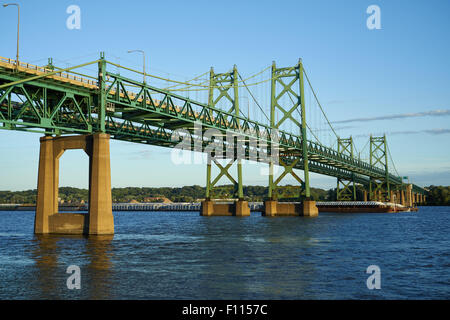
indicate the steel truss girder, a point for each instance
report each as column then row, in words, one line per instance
column 43, row 107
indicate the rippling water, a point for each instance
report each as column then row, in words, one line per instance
column 180, row 255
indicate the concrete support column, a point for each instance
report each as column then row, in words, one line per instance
column 55, row 182
column 206, row 208
column 101, row 220
column 270, row 208
column 409, row 200
column 239, row 209
column 307, row 208
column 365, row 195
column 47, row 176
column 310, row 209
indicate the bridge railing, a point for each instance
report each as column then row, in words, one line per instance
column 31, row 68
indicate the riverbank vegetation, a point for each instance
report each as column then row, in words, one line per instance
column 438, row 195
column 69, row 195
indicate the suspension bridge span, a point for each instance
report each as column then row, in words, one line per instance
column 75, row 110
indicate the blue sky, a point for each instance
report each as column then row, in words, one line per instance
column 358, row 73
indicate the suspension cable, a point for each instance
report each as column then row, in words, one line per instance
column 292, row 100
column 315, row 96
column 253, row 97
column 313, row 133
column 364, row 147
column 205, row 87
column 390, row 156
column 257, row 74
column 197, row 77
column 354, row 146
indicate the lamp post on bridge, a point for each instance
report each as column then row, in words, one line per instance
column 18, row 23
column 143, row 55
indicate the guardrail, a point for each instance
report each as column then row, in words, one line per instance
column 31, row 68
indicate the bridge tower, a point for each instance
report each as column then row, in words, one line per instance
column 346, row 189
column 224, row 90
column 379, row 188
column 288, row 82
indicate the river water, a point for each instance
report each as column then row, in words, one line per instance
column 180, row 255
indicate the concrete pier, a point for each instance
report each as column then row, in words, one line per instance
column 409, row 196
column 239, row 208
column 402, row 198
column 99, row 220
column 273, row 208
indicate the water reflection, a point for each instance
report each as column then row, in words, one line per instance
column 46, row 259
column 260, row 258
column 99, row 252
column 52, row 255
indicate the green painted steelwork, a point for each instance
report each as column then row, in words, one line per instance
column 379, row 187
column 346, row 189
column 224, row 83
column 57, row 102
column 286, row 79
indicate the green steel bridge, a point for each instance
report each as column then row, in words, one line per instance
column 61, row 101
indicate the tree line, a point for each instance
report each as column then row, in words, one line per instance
column 146, row 194
column 437, row 195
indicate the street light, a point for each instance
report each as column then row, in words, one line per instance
column 18, row 23
column 143, row 54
